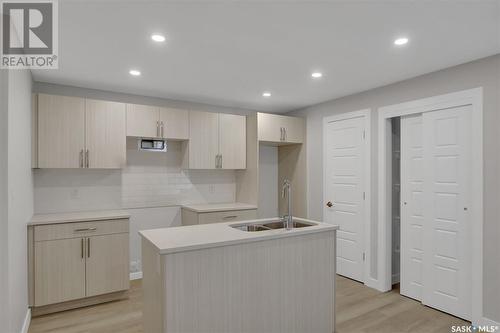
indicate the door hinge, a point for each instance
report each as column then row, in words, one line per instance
column 363, row 256
column 364, row 134
column 364, row 195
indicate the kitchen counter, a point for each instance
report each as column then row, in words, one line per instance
column 215, row 278
column 195, row 237
column 40, row 219
column 218, row 207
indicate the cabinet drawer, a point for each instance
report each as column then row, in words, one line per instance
column 227, row 216
column 80, row 229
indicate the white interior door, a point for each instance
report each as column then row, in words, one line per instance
column 344, row 191
column 447, row 174
column 412, row 203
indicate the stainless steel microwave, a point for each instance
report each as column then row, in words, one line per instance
column 152, row 145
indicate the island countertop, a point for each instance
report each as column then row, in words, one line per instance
column 195, row 237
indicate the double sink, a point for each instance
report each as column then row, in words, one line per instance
column 270, row 225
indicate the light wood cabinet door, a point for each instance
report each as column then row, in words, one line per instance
column 294, row 129
column 105, row 134
column 175, row 123
column 61, row 131
column 107, row 264
column 59, row 271
column 143, row 121
column 232, row 141
column 280, row 129
column 269, row 127
column 203, row 140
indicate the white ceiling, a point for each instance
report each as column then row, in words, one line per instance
column 228, row 53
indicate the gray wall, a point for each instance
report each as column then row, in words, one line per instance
column 16, row 195
column 481, row 73
column 3, row 199
column 20, row 193
column 268, row 181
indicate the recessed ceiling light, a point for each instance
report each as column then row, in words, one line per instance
column 158, row 38
column 134, row 72
column 266, row 94
column 401, row 41
column 317, row 75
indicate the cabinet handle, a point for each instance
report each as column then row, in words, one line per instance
column 220, row 161
column 83, row 245
column 81, row 158
column 87, row 159
column 284, row 133
column 216, row 161
column 162, row 128
column 230, row 217
column 88, row 247
column 157, row 128
column 281, row 133
column 85, row 229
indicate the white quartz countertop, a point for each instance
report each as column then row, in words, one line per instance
column 40, row 219
column 195, row 237
column 219, row 207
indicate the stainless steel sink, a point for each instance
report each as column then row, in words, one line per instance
column 271, row 225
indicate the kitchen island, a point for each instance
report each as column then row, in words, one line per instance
column 252, row 276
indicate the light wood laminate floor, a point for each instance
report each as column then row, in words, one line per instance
column 359, row 309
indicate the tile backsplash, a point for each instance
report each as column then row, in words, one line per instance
column 150, row 179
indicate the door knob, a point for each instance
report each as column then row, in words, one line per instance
column 329, row 204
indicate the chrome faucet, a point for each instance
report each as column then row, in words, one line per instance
column 286, row 191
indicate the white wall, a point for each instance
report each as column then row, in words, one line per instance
column 20, row 194
column 482, row 73
column 268, row 181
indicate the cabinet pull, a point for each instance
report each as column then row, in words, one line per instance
column 157, row 128
column 88, row 247
column 161, row 128
column 86, row 229
column 81, row 158
column 216, row 161
column 230, row 217
column 87, row 159
column 220, row 161
column 282, row 137
column 284, row 133
column 82, row 248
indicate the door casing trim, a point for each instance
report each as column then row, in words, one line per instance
column 473, row 97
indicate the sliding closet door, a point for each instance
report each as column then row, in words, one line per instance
column 412, row 202
column 446, row 236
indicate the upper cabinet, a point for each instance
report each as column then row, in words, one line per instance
column 61, row 131
column 105, row 138
column 157, row 122
column 217, row 141
column 75, row 132
column 276, row 129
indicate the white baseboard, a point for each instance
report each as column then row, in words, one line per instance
column 135, row 275
column 488, row 322
column 27, row 321
column 372, row 283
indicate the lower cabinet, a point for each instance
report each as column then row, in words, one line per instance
column 190, row 217
column 59, row 271
column 73, row 261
